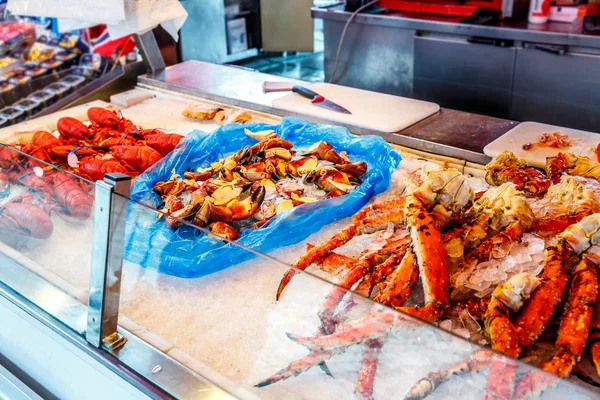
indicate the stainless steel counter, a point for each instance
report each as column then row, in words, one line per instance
column 447, row 133
column 485, row 69
column 514, row 29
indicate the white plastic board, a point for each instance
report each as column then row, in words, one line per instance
column 528, row 132
column 370, row 110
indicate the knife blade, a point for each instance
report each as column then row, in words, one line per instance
column 319, row 100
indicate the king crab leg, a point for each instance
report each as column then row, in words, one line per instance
column 359, row 221
column 424, row 387
column 572, row 334
column 368, row 368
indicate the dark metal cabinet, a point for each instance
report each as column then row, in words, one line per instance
column 373, row 57
column 557, row 89
column 456, row 73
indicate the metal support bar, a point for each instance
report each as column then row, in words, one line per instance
column 146, row 44
column 110, row 211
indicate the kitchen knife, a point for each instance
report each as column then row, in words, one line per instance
column 319, row 100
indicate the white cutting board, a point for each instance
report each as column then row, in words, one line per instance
column 371, row 110
column 528, row 132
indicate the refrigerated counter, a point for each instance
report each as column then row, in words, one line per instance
column 493, row 68
column 220, row 335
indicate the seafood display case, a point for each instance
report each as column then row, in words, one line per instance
column 255, row 256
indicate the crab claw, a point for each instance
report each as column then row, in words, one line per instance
column 224, row 230
column 325, row 152
column 276, row 167
column 355, row 169
column 238, row 210
column 170, row 187
column 270, row 144
column 245, row 155
column 302, row 166
column 201, row 174
column 584, row 236
column 203, row 215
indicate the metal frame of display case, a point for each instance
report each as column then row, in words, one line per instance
column 94, row 329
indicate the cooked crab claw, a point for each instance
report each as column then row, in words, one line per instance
column 302, row 166
column 325, row 152
column 356, row 169
column 237, row 210
column 224, row 230
column 261, row 135
column 245, row 155
column 271, row 143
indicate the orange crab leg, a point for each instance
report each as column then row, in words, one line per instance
column 400, row 282
column 368, row 367
column 339, row 239
column 424, row 387
column 572, row 334
column 431, row 258
column 595, row 335
column 536, row 313
column 575, row 325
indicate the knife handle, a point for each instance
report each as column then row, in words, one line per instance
column 305, row 92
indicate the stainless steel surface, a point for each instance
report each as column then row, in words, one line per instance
column 552, row 32
column 451, row 71
column 286, row 25
column 12, row 388
column 110, row 209
column 377, row 58
column 444, row 65
column 557, row 89
column 204, row 35
column 150, row 52
column 244, row 89
column 66, row 316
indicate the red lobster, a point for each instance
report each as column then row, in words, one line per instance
column 69, row 193
column 10, row 159
column 20, row 215
column 104, row 118
column 162, row 142
column 139, row 158
column 95, row 168
column 71, row 128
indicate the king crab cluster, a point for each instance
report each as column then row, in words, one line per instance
column 443, row 229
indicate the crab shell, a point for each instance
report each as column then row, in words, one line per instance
column 584, row 236
column 508, row 204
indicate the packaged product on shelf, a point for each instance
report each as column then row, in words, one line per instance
column 73, row 43
column 73, row 81
column 53, row 64
column 19, row 79
column 60, row 89
column 45, row 97
column 68, row 58
column 5, row 87
column 35, row 71
column 29, row 106
column 13, row 115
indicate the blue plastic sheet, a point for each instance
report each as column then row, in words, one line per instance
column 189, row 253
